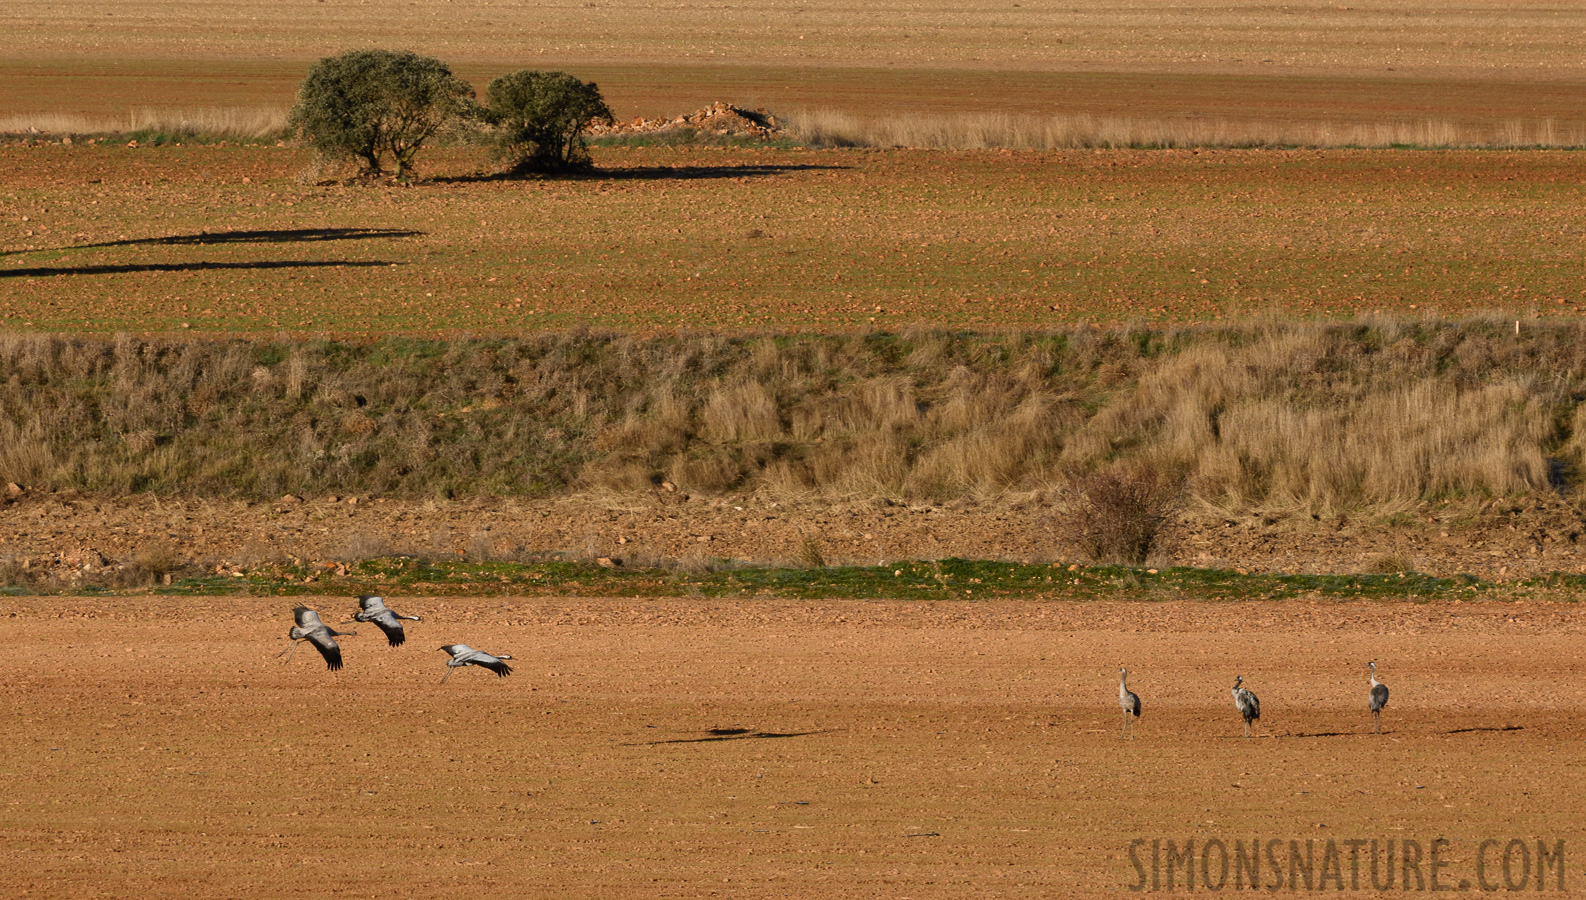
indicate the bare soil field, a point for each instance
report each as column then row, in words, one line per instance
column 1501, row 542
column 225, row 238
column 1528, row 38
column 771, row 749
column 1299, row 62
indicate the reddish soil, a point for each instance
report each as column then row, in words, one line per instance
column 1501, row 541
column 767, row 749
column 219, row 239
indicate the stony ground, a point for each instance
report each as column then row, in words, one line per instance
column 1502, row 541
column 767, row 749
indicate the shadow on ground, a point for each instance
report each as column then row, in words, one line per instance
column 121, row 269
column 282, row 236
column 646, row 173
column 728, row 734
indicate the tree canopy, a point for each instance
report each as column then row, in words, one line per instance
column 368, row 104
column 542, row 117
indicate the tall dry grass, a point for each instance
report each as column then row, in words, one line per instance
column 236, row 123
column 976, row 131
column 1282, row 418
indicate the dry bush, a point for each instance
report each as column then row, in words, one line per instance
column 810, row 555
column 1391, row 564
column 1118, row 514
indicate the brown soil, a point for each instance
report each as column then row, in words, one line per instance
column 695, row 748
column 1501, row 541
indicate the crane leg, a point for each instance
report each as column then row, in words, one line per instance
column 1377, row 716
column 289, row 652
column 449, row 671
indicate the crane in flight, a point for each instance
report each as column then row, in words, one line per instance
column 464, row 655
column 309, row 628
column 373, row 609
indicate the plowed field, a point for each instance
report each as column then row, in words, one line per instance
column 769, row 749
column 105, row 238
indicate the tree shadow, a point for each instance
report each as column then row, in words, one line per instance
column 281, row 236
column 127, row 268
column 729, row 734
column 645, row 173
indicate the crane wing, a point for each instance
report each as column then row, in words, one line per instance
column 495, row 665
column 306, row 618
column 328, row 648
column 388, row 623
column 371, row 603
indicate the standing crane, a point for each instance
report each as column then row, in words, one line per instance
column 1379, row 696
column 1249, row 705
column 373, row 609
column 323, row 637
column 464, row 655
column 1129, row 702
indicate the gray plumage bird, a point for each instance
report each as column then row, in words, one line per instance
column 464, row 655
column 1379, row 696
column 1129, row 702
column 1249, row 705
column 373, row 609
column 323, row 637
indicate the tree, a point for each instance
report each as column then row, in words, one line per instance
column 365, row 104
column 543, row 117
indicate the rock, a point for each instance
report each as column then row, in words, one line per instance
column 290, row 500
column 668, row 486
column 606, row 562
column 14, row 490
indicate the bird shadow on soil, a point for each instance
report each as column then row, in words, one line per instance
column 1479, row 728
column 729, row 734
column 125, row 268
column 274, row 236
column 645, row 173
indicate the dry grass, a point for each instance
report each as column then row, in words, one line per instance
column 940, row 131
column 212, row 123
column 1285, row 419
column 978, row 131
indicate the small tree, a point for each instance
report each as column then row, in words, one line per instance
column 543, row 117
column 365, row 104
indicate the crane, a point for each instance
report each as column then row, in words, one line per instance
column 1129, row 701
column 464, row 655
column 323, row 637
column 1249, row 705
column 1379, row 696
column 373, row 609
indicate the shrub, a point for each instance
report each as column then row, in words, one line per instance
column 543, row 117
column 366, row 104
column 1116, row 514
